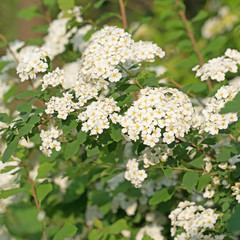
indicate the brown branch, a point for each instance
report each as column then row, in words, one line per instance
column 123, row 13
column 34, row 195
column 193, row 40
column 43, row 9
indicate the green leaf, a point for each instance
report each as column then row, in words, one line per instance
column 41, row 28
column 164, row 2
column 4, row 118
column 27, row 94
column 73, row 147
column 117, row 227
column 99, row 197
column 162, row 196
column 3, row 64
column 68, row 230
column 232, row 106
column 146, row 237
column 29, row 13
column 198, row 162
column 106, row 16
column 233, row 224
column 223, row 156
column 92, row 151
column 116, row 132
column 215, row 44
column 43, row 190
column 10, row 149
column 200, row 16
column 35, row 41
column 99, row 3
column 69, row 126
column 88, row 35
column 65, row 4
column 124, row 99
column 168, row 172
column 7, row 193
column 190, row 180
column 204, row 180
column 44, row 169
column 24, row 107
column 10, row 93
column 29, row 126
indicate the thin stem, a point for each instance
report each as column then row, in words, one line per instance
column 44, row 10
column 34, row 195
column 123, row 13
column 130, row 75
column 200, row 150
column 193, row 40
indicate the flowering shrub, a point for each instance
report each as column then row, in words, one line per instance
column 102, row 141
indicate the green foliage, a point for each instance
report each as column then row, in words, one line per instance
column 232, row 106
column 190, row 180
column 68, row 230
column 65, row 4
column 29, row 13
column 162, row 195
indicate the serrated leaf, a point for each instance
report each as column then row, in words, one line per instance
column 204, row 180
column 65, row 4
column 190, row 180
column 27, row 94
column 232, row 106
column 42, row 190
column 29, row 13
column 7, row 193
column 44, row 169
column 68, row 230
column 162, row 196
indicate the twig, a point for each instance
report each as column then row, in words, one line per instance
column 34, row 195
column 123, row 13
column 44, row 10
column 200, row 150
column 193, row 40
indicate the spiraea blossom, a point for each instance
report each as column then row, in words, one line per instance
column 216, row 68
column 97, row 115
column 111, row 47
column 32, row 61
column 49, row 140
column 211, row 120
column 159, row 113
column 134, row 174
column 194, row 221
column 236, row 191
column 154, row 231
column 219, row 24
column 53, row 78
column 62, row 105
column 58, row 34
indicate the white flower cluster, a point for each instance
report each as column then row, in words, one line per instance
column 157, row 109
column 53, row 78
column 133, row 174
column 62, row 105
column 216, row 68
column 97, row 115
column 58, row 34
column 153, row 231
column 152, row 156
column 209, row 193
column 49, row 140
column 71, row 71
column 85, row 90
column 219, row 24
column 32, row 61
column 236, row 191
column 110, row 47
column 211, row 120
column 194, row 221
